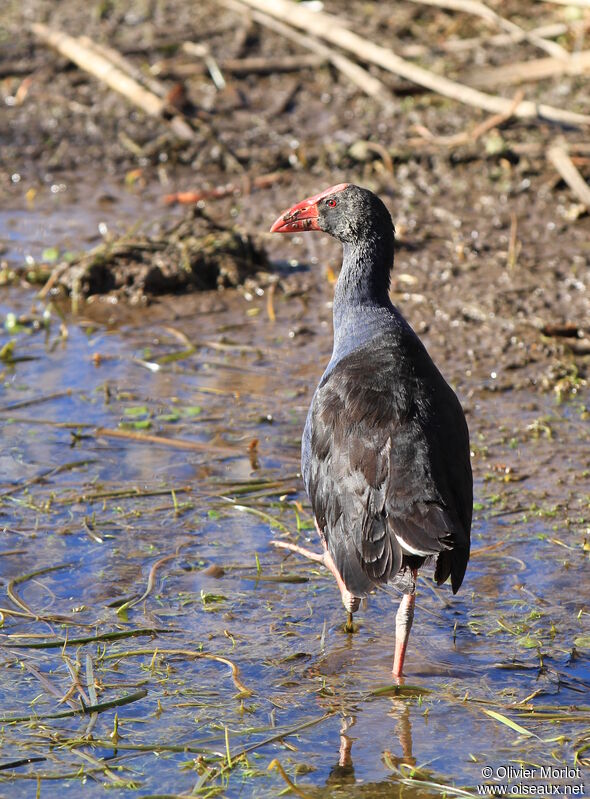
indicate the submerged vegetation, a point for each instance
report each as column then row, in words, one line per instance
column 148, row 621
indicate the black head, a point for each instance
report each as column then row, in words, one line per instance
column 349, row 213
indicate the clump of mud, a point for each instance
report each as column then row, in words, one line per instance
column 193, row 254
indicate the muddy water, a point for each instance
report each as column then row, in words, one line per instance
column 106, row 531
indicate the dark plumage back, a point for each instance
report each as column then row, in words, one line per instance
column 385, row 451
column 386, row 464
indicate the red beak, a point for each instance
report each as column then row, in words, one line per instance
column 304, row 215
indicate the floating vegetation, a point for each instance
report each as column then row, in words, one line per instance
column 150, row 634
column 193, row 254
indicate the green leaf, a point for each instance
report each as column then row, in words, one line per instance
column 401, row 690
column 192, row 410
column 12, row 324
column 168, row 417
column 209, row 599
column 6, row 353
column 528, row 642
column 140, row 424
column 509, row 723
column 139, row 410
column 50, row 254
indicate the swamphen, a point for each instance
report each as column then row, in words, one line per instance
column 385, row 449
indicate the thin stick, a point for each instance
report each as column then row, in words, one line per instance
column 145, row 438
column 93, row 699
column 152, row 578
column 330, row 28
column 92, row 61
column 122, row 493
column 467, row 137
column 513, row 245
column 484, row 12
column 51, row 619
column 65, row 467
column 498, row 40
column 532, row 70
column 83, row 711
column 24, row 578
column 565, row 166
column 203, row 51
column 246, row 185
column 270, row 308
column 355, row 73
column 60, row 642
column 188, row 653
column 12, row 406
column 496, row 119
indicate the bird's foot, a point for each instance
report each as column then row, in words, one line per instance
column 349, row 626
column 350, row 602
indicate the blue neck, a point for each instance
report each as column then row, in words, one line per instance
column 361, row 301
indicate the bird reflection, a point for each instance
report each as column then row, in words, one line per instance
column 342, row 772
column 403, row 730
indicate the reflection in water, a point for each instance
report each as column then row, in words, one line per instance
column 127, row 506
column 403, row 730
column 343, row 772
column 400, row 762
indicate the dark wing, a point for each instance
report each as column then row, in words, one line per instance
column 387, row 465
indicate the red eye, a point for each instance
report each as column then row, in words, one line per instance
column 332, row 203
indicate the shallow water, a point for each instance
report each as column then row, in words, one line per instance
column 128, row 521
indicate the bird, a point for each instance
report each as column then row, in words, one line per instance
column 385, row 453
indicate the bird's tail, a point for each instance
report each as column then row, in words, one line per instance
column 453, row 563
column 367, row 563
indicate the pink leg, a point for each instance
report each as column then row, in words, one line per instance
column 350, row 602
column 345, row 753
column 307, row 553
column 403, row 625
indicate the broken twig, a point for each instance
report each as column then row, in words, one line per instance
column 191, row 197
column 96, row 63
column 475, row 42
column 255, row 65
column 329, row 27
column 532, row 70
column 177, row 443
column 560, row 159
column 355, row 73
column 467, row 137
column 489, row 15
